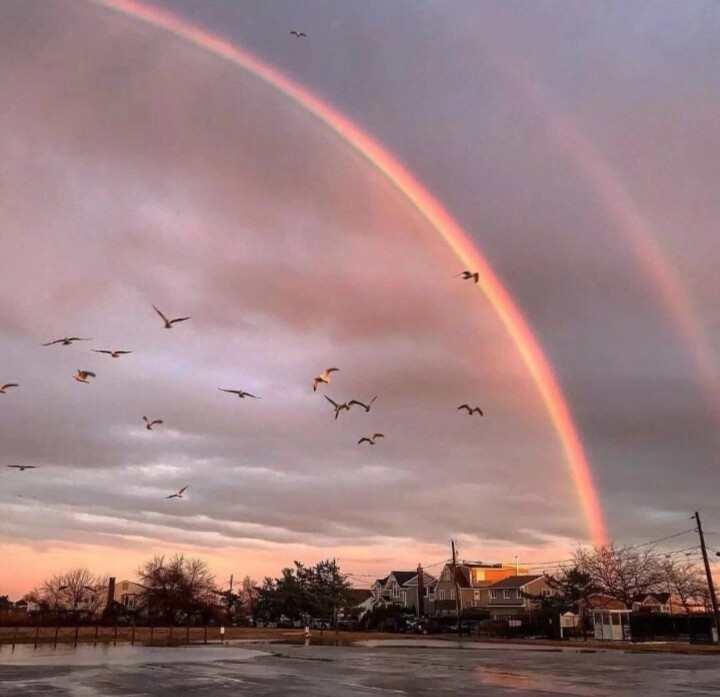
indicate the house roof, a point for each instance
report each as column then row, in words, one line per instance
column 402, row 577
column 661, row 598
column 515, row 581
column 381, row 581
column 359, row 595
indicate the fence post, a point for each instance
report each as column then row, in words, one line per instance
column 15, row 631
column 77, row 630
column 97, row 631
column 37, row 634
column 205, row 636
column 115, row 636
column 132, row 638
column 57, row 631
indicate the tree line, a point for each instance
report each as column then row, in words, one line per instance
column 181, row 590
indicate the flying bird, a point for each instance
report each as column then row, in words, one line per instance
column 372, row 439
column 467, row 275
column 239, row 393
column 298, row 34
column 169, row 322
column 471, row 410
column 179, row 494
column 66, row 341
column 6, row 385
column 338, row 407
column 83, row 375
column 366, row 407
column 112, row 352
column 149, row 424
column 22, row 468
column 323, row 377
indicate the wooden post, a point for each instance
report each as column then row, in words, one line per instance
column 97, row 631
column 205, row 636
column 132, row 637
column 37, row 634
column 152, row 629
column 115, row 637
column 15, row 631
column 57, row 631
column 77, row 630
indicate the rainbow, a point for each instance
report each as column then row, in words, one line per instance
column 624, row 211
column 501, row 301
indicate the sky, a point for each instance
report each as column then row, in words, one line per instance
column 578, row 149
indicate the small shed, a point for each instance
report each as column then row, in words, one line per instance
column 611, row 625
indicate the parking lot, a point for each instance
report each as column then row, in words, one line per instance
column 275, row 670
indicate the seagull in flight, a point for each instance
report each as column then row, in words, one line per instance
column 239, row 393
column 66, row 341
column 83, row 375
column 471, row 410
column 467, row 275
column 323, row 377
column 372, row 439
column 298, row 34
column 6, row 385
column 366, row 407
column 112, row 352
column 338, row 407
column 179, row 494
column 169, row 322
column 149, row 424
column 22, row 468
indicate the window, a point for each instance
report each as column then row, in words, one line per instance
column 452, row 594
column 546, row 592
column 426, row 592
column 441, row 594
column 395, row 591
column 493, row 595
column 446, row 575
column 476, row 595
column 518, row 594
column 125, row 585
column 506, row 595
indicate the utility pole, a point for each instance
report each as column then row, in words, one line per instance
column 458, row 603
column 713, row 597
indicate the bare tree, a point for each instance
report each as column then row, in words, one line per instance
column 250, row 596
column 77, row 589
column 622, row 573
column 178, row 588
column 685, row 581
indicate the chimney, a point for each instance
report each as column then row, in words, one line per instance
column 421, row 592
column 111, row 592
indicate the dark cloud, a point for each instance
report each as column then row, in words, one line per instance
column 139, row 170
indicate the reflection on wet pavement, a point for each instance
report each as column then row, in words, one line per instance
column 273, row 670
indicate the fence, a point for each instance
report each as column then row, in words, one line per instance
column 100, row 634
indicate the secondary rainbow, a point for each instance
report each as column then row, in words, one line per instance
column 506, row 308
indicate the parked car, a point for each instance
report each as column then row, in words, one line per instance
column 466, row 627
column 427, row 627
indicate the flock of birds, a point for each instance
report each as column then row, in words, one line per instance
column 323, row 378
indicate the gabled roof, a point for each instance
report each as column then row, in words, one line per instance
column 428, row 580
column 359, row 595
column 402, row 577
column 381, row 581
column 514, row 582
column 661, row 598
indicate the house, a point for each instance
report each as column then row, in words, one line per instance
column 662, row 603
column 473, row 580
column 396, row 590
column 362, row 599
column 128, row 594
column 378, row 591
column 400, row 588
column 429, row 584
column 510, row 596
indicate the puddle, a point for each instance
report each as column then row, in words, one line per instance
column 104, row 654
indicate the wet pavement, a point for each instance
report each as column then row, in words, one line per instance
column 275, row 670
